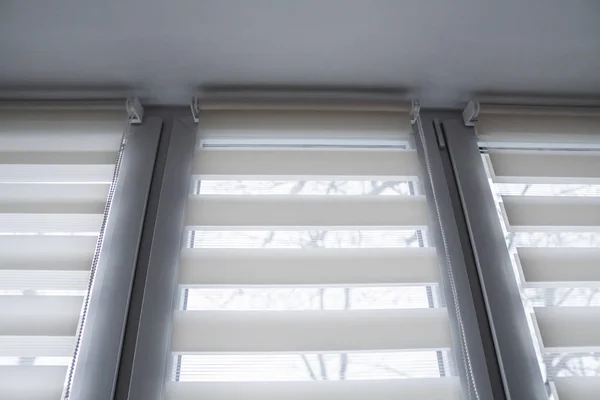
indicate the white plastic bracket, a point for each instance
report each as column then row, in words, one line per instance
column 471, row 113
column 414, row 110
column 135, row 111
column 195, row 107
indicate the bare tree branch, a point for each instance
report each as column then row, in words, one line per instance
column 298, row 187
column 309, row 369
column 343, row 366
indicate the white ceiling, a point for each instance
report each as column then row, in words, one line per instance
column 442, row 51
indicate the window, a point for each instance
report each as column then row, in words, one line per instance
column 307, row 265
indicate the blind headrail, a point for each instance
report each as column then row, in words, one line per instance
column 474, row 110
column 302, row 101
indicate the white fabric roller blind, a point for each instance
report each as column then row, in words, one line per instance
column 309, row 266
column 321, row 127
column 549, row 203
column 405, row 389
column 308, row 211
column 56, row 167
column 307, row 269
column 308, row 164
column 507, row 126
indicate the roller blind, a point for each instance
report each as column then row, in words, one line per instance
column 552, row 127
column 56, row 168
column 307, row 269
column 549, row 203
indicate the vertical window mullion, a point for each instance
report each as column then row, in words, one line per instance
column 471, row 354
column 521, row 373
column 149, row 347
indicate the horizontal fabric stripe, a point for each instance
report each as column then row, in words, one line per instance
column 32, row 382
column 326, row 267
column 34, row 206
column 37, row 346
column 569, row 329
column 513, row 166
column 74, row 173
column 565, row 213
column 256, row 331
column 55, row 193
column 306, row 125
column 59, row 131
column 577, row 387
column 305, row 164
column 41, row 157
column 56, row 199
column 447, row 388
column 39, row 315
column 44, row 252
column 27, row 280
column 576, row 266
column 523, row 130
column 346, row 211
column 50, row 223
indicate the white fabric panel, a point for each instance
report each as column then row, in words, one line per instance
column 36, row 193
column 328, row 267
column 42, row 252
column 43, row 280
column 56, row 173
column 256, row 331
column 58, row 131
column 568, row 329
column 346, row 211
column 50, row 223
column 447, row 388
column 39, row 315
column 513, row 166
column 55, row 199
column 35, row 206
column 304, row 124
column 567, row 213
column 42, row 157
column 16, row 382
column 37, row 346
column 576, row 266
column 577, row 387
column 523, row 130
column 306, row 164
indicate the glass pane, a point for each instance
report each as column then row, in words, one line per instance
column 362, row 298
column 340, row 188
column 392, row 238
column 312, row 367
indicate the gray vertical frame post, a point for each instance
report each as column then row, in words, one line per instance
column 152, row 328
column 466, row 335
column 521, row 372
column 95, row 370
